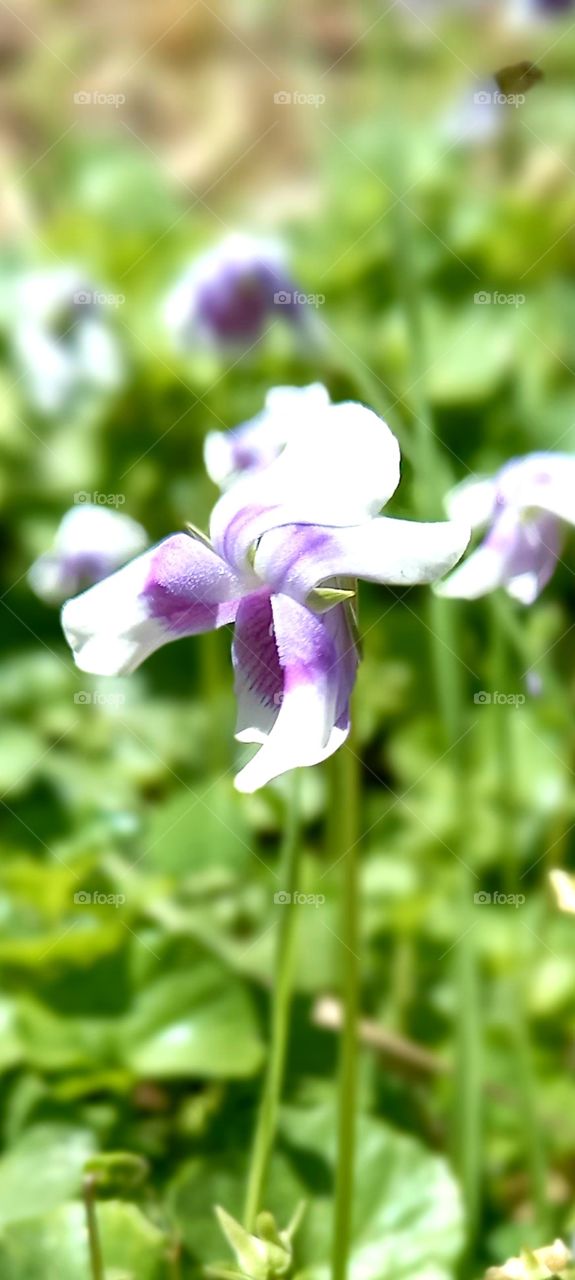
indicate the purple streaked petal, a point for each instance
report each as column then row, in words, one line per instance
column 532, row 558
column 259, row 678
column 317, row 660
column 179, row 588
column 296, row 558
column 339, row 472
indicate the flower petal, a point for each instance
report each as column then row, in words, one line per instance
column 472, row 502
column 258, row 674
column 296, row 558
column 533, row 557
column 178, row 588
column 540, row 480
column 482, row 572
column 518, row 553
column 317, row 661
column 338, row 472
column 257, row 443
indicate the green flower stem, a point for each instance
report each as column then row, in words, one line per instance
column 95, row 1248
column 505, row 755
column 345, row 803
column 281, row 1005
column 431, row 482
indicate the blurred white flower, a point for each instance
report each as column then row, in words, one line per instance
column 61, row 339
column 535, row 1264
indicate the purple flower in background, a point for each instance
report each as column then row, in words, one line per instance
column 229, row 454
column 285, row 543
column 90, row 543
column 522, row 11
column 524, row 506
column 230, row 293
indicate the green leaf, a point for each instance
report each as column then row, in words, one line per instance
column 199, row 830
column 407, row 1219
column 407, row 1214
column 56, row 1245
column 42, row 1170
column 194, row 1024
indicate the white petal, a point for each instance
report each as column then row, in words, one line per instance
column 319, row 661
column 109, row 628
column 227, row 454
column 94, row 527
column 482, row 572
column 296, row 558
column 338, row 472
column 299, row 714
column 541, row 480
column 472, row 502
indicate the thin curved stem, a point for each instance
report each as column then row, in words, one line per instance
column 94, row 1246
column 281, row 1006
column 430, row 484
column 505, row 752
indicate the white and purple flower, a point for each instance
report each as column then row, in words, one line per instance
column 61, row 339
column 525, row 506
column 526, row 11
column 231, row 454
column 287, row 543
column 230, row 293
column 90, row 543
